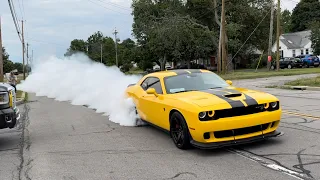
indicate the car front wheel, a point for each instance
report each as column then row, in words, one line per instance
column 179, row 131
column 289, row 66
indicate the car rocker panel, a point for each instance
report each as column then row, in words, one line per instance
column 9, row 113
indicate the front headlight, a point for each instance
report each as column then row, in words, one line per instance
column 273, row 106
column 4, row 98
column 206, row 115
column 202, row 115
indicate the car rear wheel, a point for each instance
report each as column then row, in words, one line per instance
column 289, row 66
column 179, row 131
column 139, row 121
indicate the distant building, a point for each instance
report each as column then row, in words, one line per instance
column 294, row 44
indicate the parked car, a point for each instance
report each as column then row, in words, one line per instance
column 309, row 60
column 288, row 62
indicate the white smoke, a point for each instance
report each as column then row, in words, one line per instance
column 83, row 82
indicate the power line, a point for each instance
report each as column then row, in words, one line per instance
column 106, row 7
column 249, row 36
column 14, row 19
column 116, row 5
column 20, row 9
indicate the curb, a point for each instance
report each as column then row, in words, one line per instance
column 19, row 102
column 310, row 88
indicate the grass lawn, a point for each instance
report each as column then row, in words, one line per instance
column 315, row 82
column 241, row 74
column 19, row 93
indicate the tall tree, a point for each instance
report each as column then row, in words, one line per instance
column 305, row 12
column 315, row 37
column 286, row 21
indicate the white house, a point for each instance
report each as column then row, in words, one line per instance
column 294, row 44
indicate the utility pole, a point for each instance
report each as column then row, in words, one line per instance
column 1, row 56
column 27, row 57
column 270, row 35
column 223, row 48
column 24, row 73
column 278, row 34
column 115, row 37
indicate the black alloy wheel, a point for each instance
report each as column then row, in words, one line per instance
column 179, row 131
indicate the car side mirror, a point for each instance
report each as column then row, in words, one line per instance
column 229, row 82
column 152, row 91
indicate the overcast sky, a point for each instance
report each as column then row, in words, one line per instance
column 51, row 24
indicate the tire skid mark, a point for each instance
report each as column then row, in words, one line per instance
column 269, row 163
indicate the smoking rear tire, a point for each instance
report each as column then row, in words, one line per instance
column 139, row 121
column 179, row 131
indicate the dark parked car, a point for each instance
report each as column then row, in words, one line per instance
column 288, row 62
column 309, row 60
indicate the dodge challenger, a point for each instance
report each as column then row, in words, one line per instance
column 198, row 108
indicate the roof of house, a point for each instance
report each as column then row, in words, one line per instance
column 296, row 40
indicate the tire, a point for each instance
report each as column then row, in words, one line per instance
column 289, row 66
column 179, row 131
column 139, row 121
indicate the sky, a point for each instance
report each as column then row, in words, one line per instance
column 50, row 25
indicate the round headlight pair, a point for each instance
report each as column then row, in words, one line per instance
column 202, row 115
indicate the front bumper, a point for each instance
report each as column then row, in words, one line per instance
column 8, row 118
column 215, row 145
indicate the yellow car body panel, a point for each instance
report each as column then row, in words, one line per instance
column 156, row 109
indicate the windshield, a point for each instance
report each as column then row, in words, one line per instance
column 193, row 82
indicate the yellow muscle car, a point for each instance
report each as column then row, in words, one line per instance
column 199, row 108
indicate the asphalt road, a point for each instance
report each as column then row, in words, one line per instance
column 67, row 142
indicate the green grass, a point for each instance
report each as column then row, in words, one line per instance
column 315, row 82
column 19, row 94
column 241, row 74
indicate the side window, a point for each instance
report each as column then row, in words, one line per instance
column 144, row 84
column 156, row 85
column 152, row 82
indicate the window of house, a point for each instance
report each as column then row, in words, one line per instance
column 293, row 53
column 301, row 51
column 307, row 51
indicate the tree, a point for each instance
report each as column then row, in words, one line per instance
column 18, row 66
column 286, row 21
column 5, row 55
column 305, row 12
column 77, row 45
column 315, row 37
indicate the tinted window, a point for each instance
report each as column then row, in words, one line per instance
column 194, row 81
column 152, row 82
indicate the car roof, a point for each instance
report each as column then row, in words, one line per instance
column 174, row 72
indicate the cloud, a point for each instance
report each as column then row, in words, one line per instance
column 50, row 25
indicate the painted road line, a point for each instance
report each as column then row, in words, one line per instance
column 301, row 115
column 269, row 164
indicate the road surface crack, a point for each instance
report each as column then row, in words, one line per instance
column 184, row 173
column 24, row 145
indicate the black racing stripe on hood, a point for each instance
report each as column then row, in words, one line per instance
column 220, row 94
column 249, row 100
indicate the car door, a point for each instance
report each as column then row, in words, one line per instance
column 152, row 105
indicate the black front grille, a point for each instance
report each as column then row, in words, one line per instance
column 239, row 111
column 240, row 131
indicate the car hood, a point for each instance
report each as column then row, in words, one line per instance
column 230, row 96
